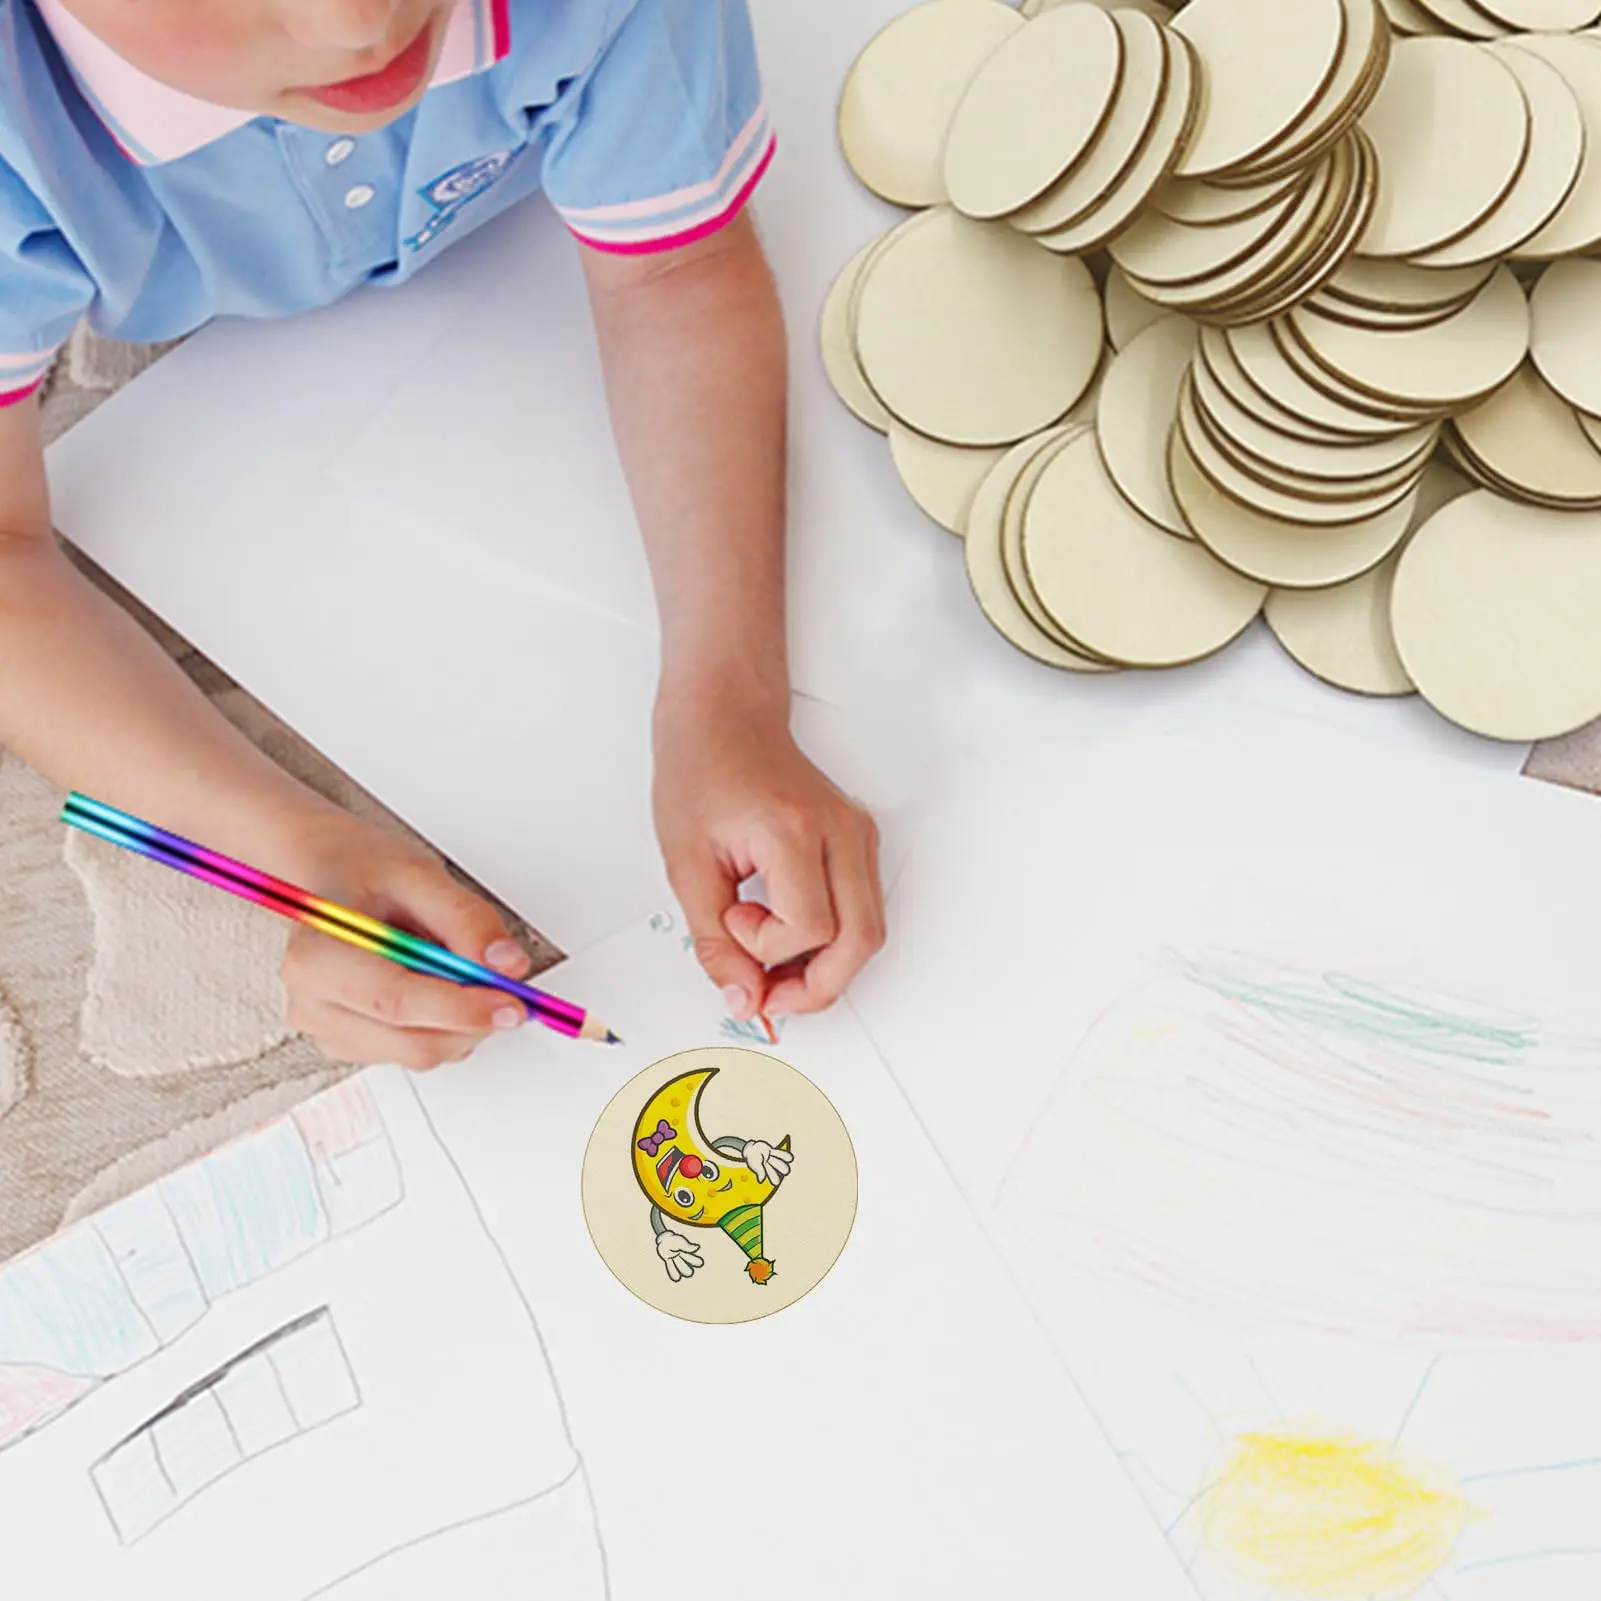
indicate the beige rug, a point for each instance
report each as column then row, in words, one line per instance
column 141, row 1019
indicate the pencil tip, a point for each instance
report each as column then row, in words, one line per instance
column 613, row 1039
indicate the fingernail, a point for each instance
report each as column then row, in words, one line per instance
column 508, row 1017
column 780, row 1010
column 504, row 954
column 738, row 1001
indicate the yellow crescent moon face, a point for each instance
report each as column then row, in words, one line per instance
column 677, row 1168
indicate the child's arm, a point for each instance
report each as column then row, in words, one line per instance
column 693, row 346
column 91, row 701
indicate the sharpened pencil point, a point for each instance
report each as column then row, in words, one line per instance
column 613, row 1039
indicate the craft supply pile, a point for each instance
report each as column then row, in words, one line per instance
column 1254, row 306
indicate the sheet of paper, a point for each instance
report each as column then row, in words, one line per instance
column 1271, row 1061
column 902, row 1430
column 298, row 1368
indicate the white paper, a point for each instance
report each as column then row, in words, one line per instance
column 1271, row 1061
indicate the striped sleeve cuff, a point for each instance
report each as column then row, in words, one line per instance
column 643, row 227
column 21, row 374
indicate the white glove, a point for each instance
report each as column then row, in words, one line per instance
column 678, row 1255
column 766, row 1162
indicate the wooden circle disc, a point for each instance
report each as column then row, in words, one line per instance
column 1543, row 16
column 1216, row 355
column 1272, row 551
column 1464, row 17
column 986, row 572
column 1495, row 612
column 942, row 479
column 1147, row 65
column 1158, row 251
column 1577, row 225
column 1398, row 286
column 1432, row 189
column 1528, row 436
column 970, row 333
column 1206, row 205
column 1342, row 634
column 1122, row 204
column 1033, row 110
column 1261, row 360
column 1556, row 158
column 1266, row 62
column 1118, row 583
column 1139, row 401
column 1566, row 338
column 839, row 348
column 1448, row 364
column 1128, row 312
column 900, row 96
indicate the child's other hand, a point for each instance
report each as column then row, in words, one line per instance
column 735, row 796
column 358, row 1007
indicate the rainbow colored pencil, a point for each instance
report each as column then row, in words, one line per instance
column 340, row 922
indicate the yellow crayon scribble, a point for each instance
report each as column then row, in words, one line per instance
column 1333, row 1517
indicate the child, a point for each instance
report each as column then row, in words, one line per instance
column 167, row 161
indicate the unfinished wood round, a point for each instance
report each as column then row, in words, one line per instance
column 1155, row 163
column 1262, row 361
column 1147, row 58
column 942, row 479
column 1206, row 205
column 1448, row 364
column 1274, row 552
column 1408, row 17
column 986, row 573
column 1542, row 16
column 1266, row 62
column 1400, row 287
column 1119, row 584
column 971, row 334
column 1566, row 338
column 1128, row 312
column 901, row 94
column 1336, row 464
column 1342, row 634
column 1494, row 612
column 1291, row 509
column 839, row 348
column 1215, row 354
column 1434, row 189
column 1033, row 110
column 1530, row 437
column 1555, row 160
column 1577, row 225
column 1464, row 17
column 1139, row 401
column 1158, row 251
column 1317, row 373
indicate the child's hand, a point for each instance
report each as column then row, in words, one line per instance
column 358, row 1007
column 736, row 797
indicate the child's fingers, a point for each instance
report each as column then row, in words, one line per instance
column 428, row 899
column 346, row 1037
column 800, row 915
column 706, row 890
column 859, row 899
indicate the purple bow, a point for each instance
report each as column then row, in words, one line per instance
column 652, row 1143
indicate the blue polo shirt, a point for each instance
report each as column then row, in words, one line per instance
column 151, row 212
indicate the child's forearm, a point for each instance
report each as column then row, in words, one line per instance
column 695, row 361
column 92, row 702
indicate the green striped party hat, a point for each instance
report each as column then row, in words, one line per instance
column 744, row 1227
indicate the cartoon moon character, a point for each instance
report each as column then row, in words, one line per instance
column 704, row 1183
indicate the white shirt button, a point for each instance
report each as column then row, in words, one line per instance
column 339, row 150
column 356, row 198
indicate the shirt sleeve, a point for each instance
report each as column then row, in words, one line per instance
column 663, row 140
column 44, row 289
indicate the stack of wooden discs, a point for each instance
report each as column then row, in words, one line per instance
column 1221, row 311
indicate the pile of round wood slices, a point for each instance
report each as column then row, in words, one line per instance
column 1279, row 306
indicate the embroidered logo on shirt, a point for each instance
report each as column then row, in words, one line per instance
column 449, row 193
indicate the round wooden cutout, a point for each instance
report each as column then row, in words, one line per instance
column 1117, row 582
column 1272, row 551
column 720, row 1185
column 1261, row 360
column 839, row 348
column 1543, row 16
column 1265, row 62
column 972, row 334
column 1139, row 401
column 942, row 479
column 1396, row 286
column 1159, row 251
column 1206, row 205
column 1434, row 189
column 1128, row 312
column 1465, row 17
column 1495, row 611
column 1447, row 364
column 1033, row 110
column 986, row 570
column 1342, row 634
column 1577, row 225
column 1528, row 436
column 1555, row 160
column 900, row 96
column 1566, row 339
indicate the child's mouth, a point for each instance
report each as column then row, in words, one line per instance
column 378, row 91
